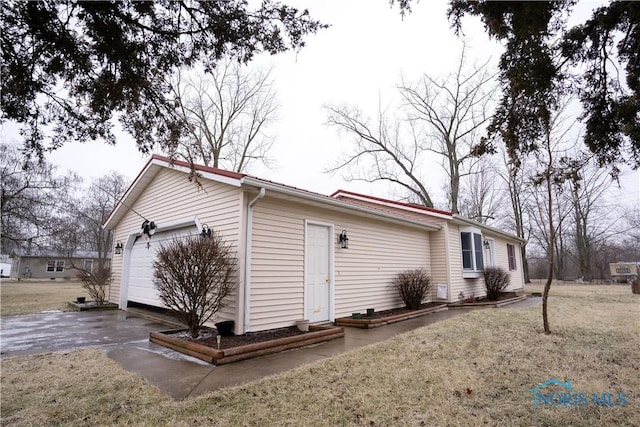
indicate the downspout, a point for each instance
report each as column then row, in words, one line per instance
column 247, row 259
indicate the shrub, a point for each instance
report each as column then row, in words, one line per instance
column 496, row 280
column 95, row 282
column 194, row 276
column 413, row 286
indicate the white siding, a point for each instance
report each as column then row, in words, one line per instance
column 476, row 286
column 502, row 261
column 172, row 197
column 458, row 283
column 378, row 250
column 439, row 260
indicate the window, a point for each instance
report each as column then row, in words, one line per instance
column 511, row 254
column 55, row 266
column 472, row 257
column 88, row 265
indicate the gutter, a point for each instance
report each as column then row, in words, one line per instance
column 468, row 221
column 318, row 198
column 247, row 259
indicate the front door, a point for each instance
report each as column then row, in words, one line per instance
column 317, row 274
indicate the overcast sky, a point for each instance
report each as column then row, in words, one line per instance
column 357, row 61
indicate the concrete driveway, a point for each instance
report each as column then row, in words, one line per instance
column 51, row 332
column 124, row 337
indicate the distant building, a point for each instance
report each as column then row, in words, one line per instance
column 52, row 264
column 624, row 272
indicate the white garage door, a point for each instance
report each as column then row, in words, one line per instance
column 143, row 254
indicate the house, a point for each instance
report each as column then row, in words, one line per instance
column 291, row 259
column 51, row 264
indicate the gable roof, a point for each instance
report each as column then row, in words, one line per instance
column 158, row 162
column 418, row 210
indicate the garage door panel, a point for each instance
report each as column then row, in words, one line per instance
column 143, row 254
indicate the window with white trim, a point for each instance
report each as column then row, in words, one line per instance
column 511, row 254
column 472, row 257
column 55, row 265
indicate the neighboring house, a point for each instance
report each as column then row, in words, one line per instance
column 291, row 262
column 5, row 265
column 52, row 264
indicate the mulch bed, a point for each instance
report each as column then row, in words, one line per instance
column 503, row 299
column 208, row 337
column 385, row 317
column 392, row 312
column 239, row 347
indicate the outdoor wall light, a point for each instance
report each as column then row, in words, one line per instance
column 486, row 244
column 206, row 231
column 344, row 240
column 118, row 248
column 148, row 228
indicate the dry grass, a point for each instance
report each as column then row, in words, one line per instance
column 475, row 369
column 35, row 296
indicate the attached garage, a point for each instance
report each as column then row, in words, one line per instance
column 140, row 253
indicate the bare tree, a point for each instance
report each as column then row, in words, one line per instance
column 479, row 194
column 592, row 222
column 227, row 113
column 440, row 116
column 379, row 152
column 33, row 199
column 518, row 191
column 98, row 201
column 551, row 178
column 194, row 276
column 449, row 115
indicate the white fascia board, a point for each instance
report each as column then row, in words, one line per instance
column 394, row 205
column 134, row 190
column 331, row 202
column 468, row 221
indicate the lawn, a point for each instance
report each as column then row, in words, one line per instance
column 36, row 296
column 476, row 369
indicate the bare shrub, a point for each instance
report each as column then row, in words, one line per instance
column 194, row 276
column 496, row 280
column 96, row 282
column 413, row 286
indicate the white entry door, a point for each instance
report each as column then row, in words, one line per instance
column 317, row 274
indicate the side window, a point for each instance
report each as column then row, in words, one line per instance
column 59, row 265
column 511, row 254
column 477, row 247
column 467, row 251
column 472, row 252
column 51, row 266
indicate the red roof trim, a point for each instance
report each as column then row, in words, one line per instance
column 393, row 202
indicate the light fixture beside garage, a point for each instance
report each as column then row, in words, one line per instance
column 344, row 240
column 118, row 248
column 206, row 231
column 148, row 228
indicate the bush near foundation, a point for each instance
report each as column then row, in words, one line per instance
column 194, row 276
column 413, row 287
column 96, row 282
column 496, row 280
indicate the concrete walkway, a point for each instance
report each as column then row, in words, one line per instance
column 124, row 336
